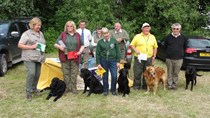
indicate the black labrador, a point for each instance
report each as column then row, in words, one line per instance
column 123, row 80
column 91, row 81
column 191, row 75
column 57, row 89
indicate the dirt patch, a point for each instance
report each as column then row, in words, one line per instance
column 2, row 93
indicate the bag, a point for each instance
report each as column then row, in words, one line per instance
column 72, row 55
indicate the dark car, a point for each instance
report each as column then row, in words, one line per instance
column 197, row 53
column 10, row 33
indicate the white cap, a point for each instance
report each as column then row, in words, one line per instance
column 145, row 24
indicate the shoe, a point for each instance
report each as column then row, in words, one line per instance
column 29, row 97
column 37, row 93
column 114, row 93
column 74, row 92
column 105, row 93
column 169, row 88
column 174, row 88
column 136, row 88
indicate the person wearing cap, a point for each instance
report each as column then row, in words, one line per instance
column 121, row 36
column 144, row 45
column 175, row 44
column 108, row 57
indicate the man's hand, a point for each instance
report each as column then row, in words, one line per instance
column 99, row 66
column 119, row 40
column 118, row 65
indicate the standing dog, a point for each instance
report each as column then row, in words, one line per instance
column 57, row 88
column 153, row 76
column 190, row 75
column 91, row 81
column 123, row 80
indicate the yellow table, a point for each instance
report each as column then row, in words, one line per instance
column 50, row 69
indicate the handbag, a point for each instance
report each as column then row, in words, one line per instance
column 72, row 55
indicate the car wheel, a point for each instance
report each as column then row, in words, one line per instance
column 3, row 64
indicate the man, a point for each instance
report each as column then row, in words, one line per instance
column 108, row 56
column 145, row 50
column 96, row 36
column 86, row 38
column 121, row 36
column 175, row 44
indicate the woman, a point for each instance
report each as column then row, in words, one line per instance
column 70, row 48
column 32, row 55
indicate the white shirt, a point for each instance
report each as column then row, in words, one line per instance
column 87, row 36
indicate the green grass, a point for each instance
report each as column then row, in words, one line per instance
column 166, row 104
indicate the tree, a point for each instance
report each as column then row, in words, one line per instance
column 16, row 8
column 162, row 13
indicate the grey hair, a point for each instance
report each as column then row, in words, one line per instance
column 105, row 30
column 176, row 25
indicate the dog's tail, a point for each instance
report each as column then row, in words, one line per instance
column 198, row 75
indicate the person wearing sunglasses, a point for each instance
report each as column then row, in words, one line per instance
column 175, row 44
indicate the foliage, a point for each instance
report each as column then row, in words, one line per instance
column 16, row 8
column 162, row 13
column 51, row 36
column 95, row 13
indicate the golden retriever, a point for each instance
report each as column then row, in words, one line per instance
column 153, row 76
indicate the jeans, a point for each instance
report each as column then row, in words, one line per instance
column 109, row 64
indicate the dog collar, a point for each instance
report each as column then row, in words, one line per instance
column 89, row 77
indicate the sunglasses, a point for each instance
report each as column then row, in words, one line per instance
column 69, row 26
column 175, row 28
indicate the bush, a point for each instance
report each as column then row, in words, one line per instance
column 51, row 36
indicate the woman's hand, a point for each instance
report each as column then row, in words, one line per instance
column 61, row 48
column 79, row 53
column 34, row 46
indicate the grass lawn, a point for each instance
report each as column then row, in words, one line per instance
column 166, row 104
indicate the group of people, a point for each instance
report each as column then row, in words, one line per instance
column 110, row 49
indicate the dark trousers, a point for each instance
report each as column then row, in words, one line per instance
column 138, row 69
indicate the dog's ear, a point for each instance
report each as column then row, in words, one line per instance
column 147, row 68
column 120, row 71
column 54, row 83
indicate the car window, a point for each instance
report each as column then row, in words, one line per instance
column 23, row 27
column 3, row 29
column 199, row 43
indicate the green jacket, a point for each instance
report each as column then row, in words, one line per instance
column 108, row 50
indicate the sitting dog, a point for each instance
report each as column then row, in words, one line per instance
column 153, row 76
column 91, row 81
column 190, row 75
column 57, row 88
column 123, row 80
